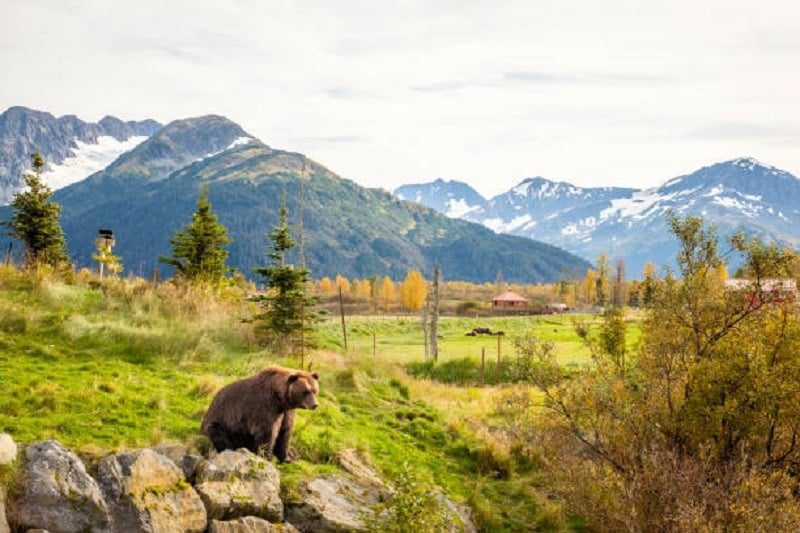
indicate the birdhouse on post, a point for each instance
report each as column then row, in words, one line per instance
column 105, row 242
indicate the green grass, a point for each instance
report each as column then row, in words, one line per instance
column 400, row 340
column 125, row 366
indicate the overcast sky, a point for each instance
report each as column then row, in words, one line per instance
column 594, row 92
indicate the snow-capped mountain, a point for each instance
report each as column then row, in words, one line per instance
column 74, row 149
column 453, row 198
column 742, row 194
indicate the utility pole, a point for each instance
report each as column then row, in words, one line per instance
column 302, row 250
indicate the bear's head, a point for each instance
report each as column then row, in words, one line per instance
column 303, row 389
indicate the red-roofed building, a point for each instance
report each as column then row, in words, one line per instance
column 509, row 301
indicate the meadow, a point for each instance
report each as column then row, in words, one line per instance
column 120, row 364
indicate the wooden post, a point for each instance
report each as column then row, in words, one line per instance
column 8, row 254
column 497, row 370
column 374, row 345
column 341, row 312
column 483, row 366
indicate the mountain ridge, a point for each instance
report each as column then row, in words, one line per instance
column 146, row 194
column 72, row 147
column 738, row 194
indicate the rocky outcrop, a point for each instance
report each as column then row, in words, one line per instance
column 56, row 493
column 146, row 492
column 250, row 524
column 239, row 483
column 353, row 463
column 330, row 504
column 8, row 449
column 461, row 515
column 179, row 454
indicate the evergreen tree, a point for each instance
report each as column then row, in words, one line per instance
column 35, row 220
column 198, row 249
column 287, row 317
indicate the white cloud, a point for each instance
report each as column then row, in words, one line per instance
column 598, row 93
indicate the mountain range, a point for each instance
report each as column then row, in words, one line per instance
column 738, row 195
column 73, row 148
column 146, row 191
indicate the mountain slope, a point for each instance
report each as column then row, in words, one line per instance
column 149, row 192
column 738, row 195
column 73, row 148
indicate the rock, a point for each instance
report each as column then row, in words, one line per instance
column 56, row 493
column 146, row 492
column 3, row 522
column 239, row 483
column 8, row 449
column 250, row 524
column 179, row 454
column 329, row 504
column 358, row 467
column 462, row 514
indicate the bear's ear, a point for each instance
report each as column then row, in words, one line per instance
column 293, row 378
column 315, row 376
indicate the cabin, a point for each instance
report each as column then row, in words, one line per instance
column 509, row 301
column 773, row 290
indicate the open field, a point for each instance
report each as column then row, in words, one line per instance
column 399, row 339
column 128, row 364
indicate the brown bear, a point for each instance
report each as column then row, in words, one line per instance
column 258, row 412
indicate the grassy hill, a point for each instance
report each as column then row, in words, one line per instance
column 126, row 363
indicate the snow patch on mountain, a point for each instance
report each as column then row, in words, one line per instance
column 239, row 141
column 457, row 208
column 88, row 158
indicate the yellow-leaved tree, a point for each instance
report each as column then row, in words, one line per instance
column 326, row 286
column 361, row 289
column 413, row 290
column 386, row 293
column 342, row 283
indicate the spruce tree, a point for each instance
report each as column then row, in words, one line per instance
column 287, row 316
column 199, row 248
column 35, row 220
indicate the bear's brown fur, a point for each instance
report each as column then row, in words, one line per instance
column 258, row 412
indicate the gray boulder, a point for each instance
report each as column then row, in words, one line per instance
column 250, row 524
column 146, row 492
column 239, row 483
column 179, row 454
column 353, row 463
column 330, row 504
column 461, row 515
column 8, row 449
column 56, row 493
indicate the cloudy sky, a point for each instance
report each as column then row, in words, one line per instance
column 594, row 92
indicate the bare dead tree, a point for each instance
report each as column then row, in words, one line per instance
column 434, row 330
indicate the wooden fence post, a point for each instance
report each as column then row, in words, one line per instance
column 497, row 370
column 341, row 312
column 483, row 366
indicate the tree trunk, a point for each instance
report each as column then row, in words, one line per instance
column 435, row 315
